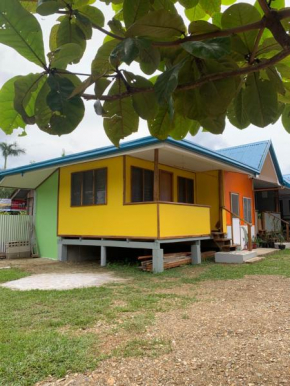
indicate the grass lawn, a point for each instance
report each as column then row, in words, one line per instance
column 46, row 333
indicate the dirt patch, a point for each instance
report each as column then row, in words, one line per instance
column 238, row 333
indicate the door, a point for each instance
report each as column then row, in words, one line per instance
column 165, row 186
column 236, row 224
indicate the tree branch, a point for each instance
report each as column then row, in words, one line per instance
column 255, row 49
column 264, row 6
column 205, row 79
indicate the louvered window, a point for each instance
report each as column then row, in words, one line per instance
column 247, row 203
column 89, row 187
column 185, row 190
column 142, row 182
column 235, row 206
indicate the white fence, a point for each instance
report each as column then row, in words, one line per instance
column 15, row 228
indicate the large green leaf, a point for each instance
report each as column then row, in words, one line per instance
column 10, row 119
column 54, row 112
column 145, row 104
column 167, row 83
column 26, row 90
column 64, row 55
column 188, row 3
column 47, row 7
column 164, row 4
column 69, row 32
column 286, row 118
column 196, row 13
column 261, row 102
column 101, row 64
column 134, row 10
column 182, row 126
column 158, row 25
column 201, row 27
column 239, row 15
column 210, row 6
column 29, row 5
column 236, row 113
column 120, row 119
column 101, row 85
column 149, row 58
column 214, row 125
column 21, row 31
column 161, row 125
column 93, row 14
column 126, row 51
column 209, row 49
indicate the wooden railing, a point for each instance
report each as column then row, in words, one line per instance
column 282, row 222
column 249, row 225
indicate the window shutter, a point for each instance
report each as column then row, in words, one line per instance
column 137, row 185
column 148, row 185
column 100, row 186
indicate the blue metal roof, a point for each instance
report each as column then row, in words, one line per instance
column 128, row 146
column 254, row 155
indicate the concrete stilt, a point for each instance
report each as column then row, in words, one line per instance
column 158, row 265
column 195, row 253
column 62, row 251
column 103, row 256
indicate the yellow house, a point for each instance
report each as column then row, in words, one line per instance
column 142, row 195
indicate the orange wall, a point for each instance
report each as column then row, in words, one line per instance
column 241, row 184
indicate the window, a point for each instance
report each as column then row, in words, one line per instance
column 235, row 206
column 247, row 203
column 185, row 190
column 142, row 182
column 89, row 187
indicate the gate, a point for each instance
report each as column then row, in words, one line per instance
column 15, row 228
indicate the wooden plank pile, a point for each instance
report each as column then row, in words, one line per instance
column 171, row 260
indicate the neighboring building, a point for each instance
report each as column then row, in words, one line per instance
column 145, row 194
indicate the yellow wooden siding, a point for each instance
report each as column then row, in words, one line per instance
column 113, row 219
column 183, row 220
column 207, row 193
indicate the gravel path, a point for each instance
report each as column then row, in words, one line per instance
column 237, row 333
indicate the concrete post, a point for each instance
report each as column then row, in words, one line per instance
column 195, row 253
column 103, row 256
column 157, row 260
column 62, row 251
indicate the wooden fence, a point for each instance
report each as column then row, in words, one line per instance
column 15, row 228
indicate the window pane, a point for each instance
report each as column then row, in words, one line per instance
column 148, row 185
column 88, row 187
column 247, row 209
column 189, row 192
column 181, row 189
column 100, row 186
column 76, row 188
column 235, row 208
column 137, row 185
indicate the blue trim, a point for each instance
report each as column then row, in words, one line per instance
column 127, row 146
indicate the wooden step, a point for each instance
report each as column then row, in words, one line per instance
column 223, row 240
column 228, row 248
column 208, row 254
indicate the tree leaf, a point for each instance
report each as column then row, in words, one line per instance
column 214, row 125
column 181, row 127
column 85, row 25
column 196, row 13
column 101, row 64
column 157, row 25
column 167, row 82
column 98, row 107
column 286, row 118
column 67, row 54
column 209, row 49
column 134, row 10
column 120, row 118
column 95, row 16
column 101, row 85
column 25, row 86
column 164, row 4
column 10, row 119
column 47, row 7
column 188, row 3
column 261, row 102
column 241, row 14
column 161, row 125
column 210, row 6
column 149, row 57
column 21, row 31
column 145, row 104
column 237, row 114
column 201, row 27
column 29, row 5
column 126, row 51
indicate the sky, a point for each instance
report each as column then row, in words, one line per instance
column 90, row 133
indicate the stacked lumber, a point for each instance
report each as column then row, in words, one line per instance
column 171, row 260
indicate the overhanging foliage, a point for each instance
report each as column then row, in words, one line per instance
column 196, row 72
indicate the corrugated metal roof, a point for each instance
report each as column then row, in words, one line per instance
column 127, row 147
column 252, row 154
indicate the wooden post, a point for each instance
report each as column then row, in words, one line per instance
column 156, row 175
column 287, row 232
column 250, row 246
column 221, row 199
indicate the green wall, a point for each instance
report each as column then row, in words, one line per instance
column 46, row 217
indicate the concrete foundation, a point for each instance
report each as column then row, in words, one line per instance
column 287, row 245
column 235, row 257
